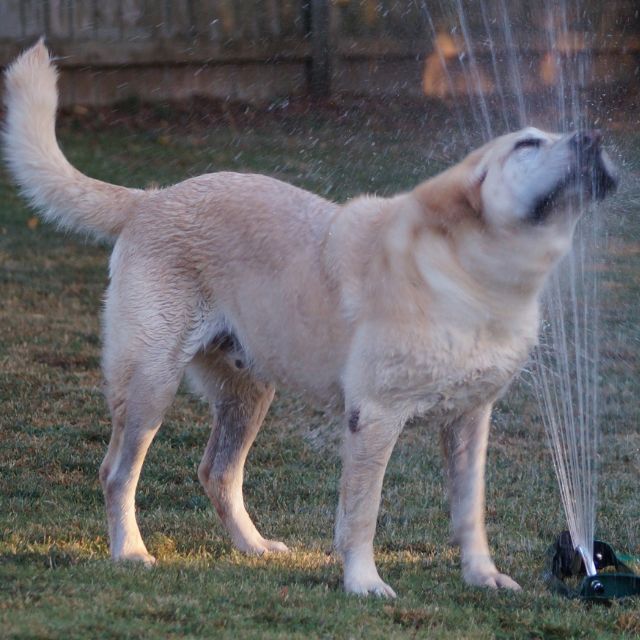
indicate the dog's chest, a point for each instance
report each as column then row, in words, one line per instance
column 452, row 373
column 480, row 379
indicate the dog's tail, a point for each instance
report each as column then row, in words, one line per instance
column 57, row 189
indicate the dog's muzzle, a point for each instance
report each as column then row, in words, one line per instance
column 594, row 170
column 592, row 173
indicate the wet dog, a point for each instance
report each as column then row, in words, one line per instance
column 423, row 304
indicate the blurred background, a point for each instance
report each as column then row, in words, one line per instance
column 263, row 50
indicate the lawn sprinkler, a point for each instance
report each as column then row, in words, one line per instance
column 608, row 576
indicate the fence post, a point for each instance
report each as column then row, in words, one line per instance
column 317, row 18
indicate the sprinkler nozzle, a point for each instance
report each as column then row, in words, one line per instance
column 587, row 559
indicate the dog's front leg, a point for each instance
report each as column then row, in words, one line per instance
column 465, row 445
column 368, row 442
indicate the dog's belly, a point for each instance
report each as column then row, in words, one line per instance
column 306, row 359
column 295, row 335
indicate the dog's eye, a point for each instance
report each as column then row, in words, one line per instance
column 528, row 142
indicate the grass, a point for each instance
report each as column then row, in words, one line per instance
column 55, row 578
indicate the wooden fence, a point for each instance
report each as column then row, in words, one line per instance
column 258, row 50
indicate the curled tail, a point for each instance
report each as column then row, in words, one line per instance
column 58, row 190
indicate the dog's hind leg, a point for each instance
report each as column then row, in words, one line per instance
column 137, row 412
column 239, row 404
column 143, row 363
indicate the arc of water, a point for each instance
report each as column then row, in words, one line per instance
column 474, row 72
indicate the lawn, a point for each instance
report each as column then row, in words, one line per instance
column 55, row 577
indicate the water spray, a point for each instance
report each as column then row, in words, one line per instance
column 566, row 379
column 565, row 371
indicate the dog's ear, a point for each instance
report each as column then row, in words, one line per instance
column 473, row 191
column 453, row 196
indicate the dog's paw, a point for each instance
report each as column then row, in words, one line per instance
column 491, row 579
column 139, row 557
column 374, row 587
column 275, row 546
column 261, row 546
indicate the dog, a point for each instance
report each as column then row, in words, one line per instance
column 422, row 304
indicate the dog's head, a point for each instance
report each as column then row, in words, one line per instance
column 507, row 211
column 529, row 179
column 535, row 178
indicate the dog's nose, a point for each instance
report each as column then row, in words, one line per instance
column 594, row 167
column 587, row 141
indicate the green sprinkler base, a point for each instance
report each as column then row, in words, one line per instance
column 604, row 587
column 615, row 577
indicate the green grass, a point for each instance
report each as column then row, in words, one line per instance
column 55, row 578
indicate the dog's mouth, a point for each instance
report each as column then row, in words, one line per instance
column 591, row 175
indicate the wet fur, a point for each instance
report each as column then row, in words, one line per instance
column 421, row 304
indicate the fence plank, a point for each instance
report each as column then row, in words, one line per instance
column 177, row 21
column 139, row 19
column 320, row 48
column 10, row 19
column 108, row 17
column 33, row 17
column 204, row 15
column 60, row 18
column 84, row 20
